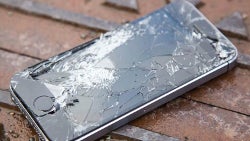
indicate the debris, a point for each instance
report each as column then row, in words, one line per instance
column 32, row 139
column 10, row 13
column 83, row 36
column 244, row 15
column 12, row 113
column 126, row 4
column 92, row 34
column 13, row 134
column 243, row 60
column 234, row 26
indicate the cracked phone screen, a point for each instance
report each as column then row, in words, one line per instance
column 128, row 67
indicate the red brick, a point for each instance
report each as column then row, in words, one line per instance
column 188, row 120
column 11, row 63
column 96, row 8
column 215, row 10
column 15, row 126
column 230, row 91
column 37, row 36
column 242, row 46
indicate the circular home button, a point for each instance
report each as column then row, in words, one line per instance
column 44, row 103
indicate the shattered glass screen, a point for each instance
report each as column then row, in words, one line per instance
column 132, row 65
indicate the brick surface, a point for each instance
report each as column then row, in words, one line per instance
column 37, row 36
column 5, row 99
column 96, row 8
column 129, row 132
column 125, row 4
column 10, row 64
column 14, row 127
column 242, row 46
column 38, row 8
column 189, row 120
column 216, row 10
column 243, row 61
column 230, row 91
column 234, row 26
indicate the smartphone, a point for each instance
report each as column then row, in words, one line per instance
column 94, row 88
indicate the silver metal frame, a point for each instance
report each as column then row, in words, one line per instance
column 27, row 115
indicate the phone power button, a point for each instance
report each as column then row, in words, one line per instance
column 44, row 103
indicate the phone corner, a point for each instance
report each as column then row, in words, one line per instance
column 233, row 61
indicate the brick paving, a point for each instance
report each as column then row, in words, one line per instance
column 15, row 126
column 188, row 120
column 36, row 36
column 230, row 91
column 11, row 63
column 218, row 110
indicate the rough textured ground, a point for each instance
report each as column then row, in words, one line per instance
column 218, row 110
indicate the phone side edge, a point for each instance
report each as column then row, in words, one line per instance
column 233, row 62
column 28, row 116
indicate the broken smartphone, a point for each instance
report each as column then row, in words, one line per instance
column 92, row 89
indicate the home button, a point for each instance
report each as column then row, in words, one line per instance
column 44, row 103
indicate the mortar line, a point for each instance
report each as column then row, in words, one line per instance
column 22, row 54
column 216, row 106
